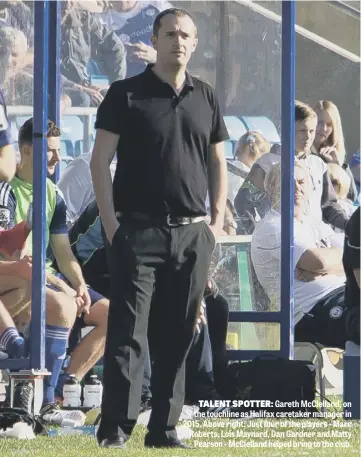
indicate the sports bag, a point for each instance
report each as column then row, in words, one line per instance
column 275, row 379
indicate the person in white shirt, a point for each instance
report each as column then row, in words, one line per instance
column 132, row 22
column 76, row 185
column 319, row 286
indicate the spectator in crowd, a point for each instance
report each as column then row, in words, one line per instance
column 351, row 264
column 341, row 182
column 252, row 203
column 250, row 147
column 17, row 71
column 84, row 38
column 17, row 76
column 320, row 313
column 329, row 141
column 17, row 15
column 132, row 21
column 76, row 185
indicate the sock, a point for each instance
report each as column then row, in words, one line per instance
column 12, row 342
column 59, row 387
column 56, row 340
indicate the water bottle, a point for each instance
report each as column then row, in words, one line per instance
column 72, row 393
column 93, row 390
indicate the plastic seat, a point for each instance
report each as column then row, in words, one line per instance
column 72, row 128
column 263, row 125
column 79, row 147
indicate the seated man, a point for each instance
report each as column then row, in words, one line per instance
column 351, row 264
column 91, row 347
column 320, row 312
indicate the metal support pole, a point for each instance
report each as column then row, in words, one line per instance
column 41, row 30
column 222, row 56
column 287, row 171
column 54, row 69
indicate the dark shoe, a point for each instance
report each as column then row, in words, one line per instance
column 151, row 441
column 111, row 437
column 115, row 442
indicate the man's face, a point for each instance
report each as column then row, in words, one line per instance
column 53, row 153
column 300, row 193
column 305, row 135
column 176, row 40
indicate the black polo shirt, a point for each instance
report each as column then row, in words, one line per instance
column 163, row 144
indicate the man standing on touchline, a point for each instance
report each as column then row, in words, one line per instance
column 168, row 131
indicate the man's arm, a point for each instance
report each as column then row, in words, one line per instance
column 217, row 185
column 111, row 117
column 66, row 261
column 332, row 213
column 217, row 169
column 103, row 153
column 108, row 50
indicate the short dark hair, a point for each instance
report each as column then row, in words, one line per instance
column 172, row 11
column 303, row 112
column 26, row 131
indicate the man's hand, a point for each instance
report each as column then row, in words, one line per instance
column 94, row 94
column 329, row 155
column 24, row 268
column 216, row 230
column 143, row 52
column 82, row 299
column 201, row 317
column 307, row 276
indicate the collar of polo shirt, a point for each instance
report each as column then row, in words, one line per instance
column 188, row 81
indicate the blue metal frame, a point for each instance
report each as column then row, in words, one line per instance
column 41, row 31
column 287, row 170
column 285, row 316
column 54, row 84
